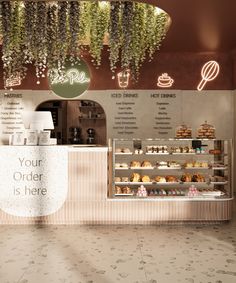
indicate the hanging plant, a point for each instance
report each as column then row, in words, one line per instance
column 114, row 34
column 98, row 27
column 74, row 27
column 126, row 24
column 45, row 33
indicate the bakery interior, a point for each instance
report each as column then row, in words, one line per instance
column 144, row 207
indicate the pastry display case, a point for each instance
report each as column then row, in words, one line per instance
column 206, row 131
column 172, row 168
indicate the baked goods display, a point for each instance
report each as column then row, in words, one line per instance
column 198, row 178
column 123, row 150
column 163, row 192
column 193, row 191
column 206, row 131
column 162, row 165
column 182, row 149
column 182, row 174
column 135, row 177
column 161, row 149
column 145, row 178
column 121, row 166
column 138, row 151
column 123, row 190
column 146, row 164
column 135, row 164
column 171, row 179
column 183, row 132
column 186, row 177
column 160, row 179
column 142, row 192
column 196, row 164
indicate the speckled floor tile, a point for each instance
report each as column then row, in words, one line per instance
column 125, row 254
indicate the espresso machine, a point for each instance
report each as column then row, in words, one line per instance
column 91, row 136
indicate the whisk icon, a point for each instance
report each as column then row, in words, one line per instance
column 209, row 72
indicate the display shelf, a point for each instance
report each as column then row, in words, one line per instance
column 222, row 157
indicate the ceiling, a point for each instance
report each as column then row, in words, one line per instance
column 199, row 25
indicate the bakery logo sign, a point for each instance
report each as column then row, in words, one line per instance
column 165, row 81
column 72, row 82
column 72, row 76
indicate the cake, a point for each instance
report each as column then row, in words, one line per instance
column 124, row 179
column 117, row 179
column 198, row 178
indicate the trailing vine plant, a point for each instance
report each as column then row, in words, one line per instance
column 46, row 33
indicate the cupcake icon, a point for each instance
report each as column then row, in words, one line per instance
column 165, row 80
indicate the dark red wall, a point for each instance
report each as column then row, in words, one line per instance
column 184, row 68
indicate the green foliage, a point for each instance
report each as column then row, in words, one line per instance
column 45, row 33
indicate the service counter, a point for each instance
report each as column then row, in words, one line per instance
column 70, row 185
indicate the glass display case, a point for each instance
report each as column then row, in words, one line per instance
column 172, row 168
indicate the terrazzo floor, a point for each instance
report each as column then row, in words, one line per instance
column 107, row 254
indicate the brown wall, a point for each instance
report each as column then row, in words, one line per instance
column 184, row 68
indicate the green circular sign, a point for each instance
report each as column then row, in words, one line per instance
column 73, row 83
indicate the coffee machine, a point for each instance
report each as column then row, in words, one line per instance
column 91, row 136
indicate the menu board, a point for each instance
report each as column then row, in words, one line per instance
column 136, row 114
column 10, row 113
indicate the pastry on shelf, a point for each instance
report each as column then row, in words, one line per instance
column 135, row 177
column 135, row 164
column 145, row 179
column 117, row 165
column 142, row 192
column 193, row 191
column 118, row 150
column 198, row 178
column 138, row 151
column 183, row 132
column 162, row 165
column 126, row 150
column 189, row 165
column 197, row 164
column 124, row 179
column 118, row 190
column 117, row 179
column 171, row 179
column 215, row 151
column 173, row 164
column 126, row 190
column 204, row 164
column 124, row 165
column 160, row 179
column 146, row 164
column 186, row 177
column 206, row 131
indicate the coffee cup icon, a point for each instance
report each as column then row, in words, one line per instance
column 165, row 81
